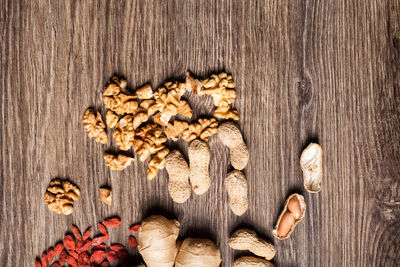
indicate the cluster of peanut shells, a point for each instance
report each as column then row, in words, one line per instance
column 142, row 120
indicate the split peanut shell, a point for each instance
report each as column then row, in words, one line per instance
column 291, row 215
column 311, row 165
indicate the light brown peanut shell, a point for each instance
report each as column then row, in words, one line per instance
column 246, row 239
column 291, row 215
column 199, row 159
column 250, row 261
column 236, row 186
column 311, row 165
column 178, row 172
column 230, row 135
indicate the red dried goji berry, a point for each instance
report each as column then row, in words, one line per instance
column 63, row 257
column 79, row 244
column 44, row 259
column 112, row 222
column 98, row 240
column 97, row 256
column 122, row 256
column 50, row 255
column 102, row 246
column 56, row 264
column 111, row 255
column 104, row 264
column 117, row 247
column 58, row 248
column 74, row 254
column 85, row 246
column 83, row 259
column 37, row 263
column 87, row 233
column 132, row 241
column 103, row 230
column 72, row 261
column 69, row 242
column 134, row 228
column 76, row 232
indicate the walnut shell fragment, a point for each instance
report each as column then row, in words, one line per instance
column 291, row 215
column 246, row 239
column 106, row 196
column 94, row 126
column 117, row 162
column 61, row 195
column 250, row 261
column 311, row 165
column 236, row 186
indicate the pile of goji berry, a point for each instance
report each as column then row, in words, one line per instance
column 82, row 251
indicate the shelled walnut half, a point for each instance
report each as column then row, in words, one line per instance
column 203, row 128
column 124, row 132
column 94, row 126
column 117, row 162
column 149, row 140
column 169, row 102
column 61, row 195
column 116, row 100
column 221, row 88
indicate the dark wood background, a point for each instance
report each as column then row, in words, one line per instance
column 319, row 70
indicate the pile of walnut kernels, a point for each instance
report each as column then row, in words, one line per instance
column 130, row 116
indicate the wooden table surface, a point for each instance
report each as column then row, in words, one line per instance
column 325, row 71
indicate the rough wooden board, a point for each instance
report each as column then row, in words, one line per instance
column 305, row 70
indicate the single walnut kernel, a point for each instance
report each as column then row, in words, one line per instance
column 193, row 84
column 173, row 131
column 111, row 119
column 156, row 163
column 117, row 101
column 61, row 195
column 149, row 140
column 203, row 128
column 221, row 88
column 169, row 103
column 94, row 125
column 144, row 92
column 106, row 196
column 225, row 112
column 124, row 133
column 118, row 162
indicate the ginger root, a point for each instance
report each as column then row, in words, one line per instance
column 198, row 252
column 157, row 241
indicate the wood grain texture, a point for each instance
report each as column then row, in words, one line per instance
column 317, row 70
